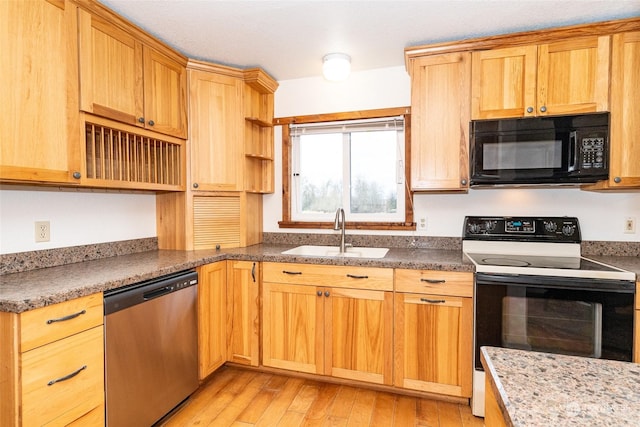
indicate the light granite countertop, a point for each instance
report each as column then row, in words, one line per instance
column 41, row 287
column 541, row 389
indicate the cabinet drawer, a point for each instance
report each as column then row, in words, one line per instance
column 47, row 324
column 329, row 275
column 434, row 282
column 43, row 398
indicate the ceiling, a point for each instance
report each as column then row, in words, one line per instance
column 288, row 38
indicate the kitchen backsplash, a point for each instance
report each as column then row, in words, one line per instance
column 24, row 261
column 422, row 242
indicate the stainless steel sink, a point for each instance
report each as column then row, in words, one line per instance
column 334, row 251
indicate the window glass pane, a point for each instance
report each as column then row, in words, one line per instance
column 373, row 172
column 320, row 173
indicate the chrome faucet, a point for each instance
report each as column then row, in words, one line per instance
column 339, row 224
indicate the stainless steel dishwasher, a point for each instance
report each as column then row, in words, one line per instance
column 151, row 357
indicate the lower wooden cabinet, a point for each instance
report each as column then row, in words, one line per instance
column 212, row 317
column 433, row 333
column 492, row 413
column 52, row 369
column 243, row 303
column 342, row 331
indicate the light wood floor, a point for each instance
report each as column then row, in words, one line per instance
column 238, row 397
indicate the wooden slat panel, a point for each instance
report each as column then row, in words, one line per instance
column 118, row 156
column 216, row 221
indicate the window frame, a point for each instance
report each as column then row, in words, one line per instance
column 283, row 122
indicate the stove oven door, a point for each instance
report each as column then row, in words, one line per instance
column 575, row 316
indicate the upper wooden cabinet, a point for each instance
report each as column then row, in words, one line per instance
column 216, row 125
column 123, row 79
column 39, row 136
column 258, row 134
column 624, row 165
column 440, row 91
column 563, row 77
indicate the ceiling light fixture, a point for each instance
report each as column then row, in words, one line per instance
column 336, row 66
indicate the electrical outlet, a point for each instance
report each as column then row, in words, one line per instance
column 43, row 231
column 630, row 225
column 422, row 223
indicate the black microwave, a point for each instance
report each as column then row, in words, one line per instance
column 558, row 150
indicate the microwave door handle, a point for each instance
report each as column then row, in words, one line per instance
column 573, row 151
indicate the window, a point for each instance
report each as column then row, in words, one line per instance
column 358, row 165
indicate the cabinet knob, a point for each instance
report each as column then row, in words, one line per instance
column 543, row 109
column 463, row 181
column 617, row 180
column 151, row 123
column 529, row 109
column 77, row 175
column 195, row 185
column 326, row 293
column 319, row 293
column 140, row 119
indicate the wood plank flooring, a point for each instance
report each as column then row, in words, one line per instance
column 243, row 398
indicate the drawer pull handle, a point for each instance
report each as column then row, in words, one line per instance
column 433, row 301
column 67, row 377
column 69, row 317
column 433, row 281
column 291, row 272
column 253, row 272
column 354, row 276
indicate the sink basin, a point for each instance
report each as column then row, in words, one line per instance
column 311, row 250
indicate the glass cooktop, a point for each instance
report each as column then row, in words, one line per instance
column 534, row 261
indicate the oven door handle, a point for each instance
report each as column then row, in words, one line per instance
column 572, row 283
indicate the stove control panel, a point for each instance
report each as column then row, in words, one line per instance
column 526, row 229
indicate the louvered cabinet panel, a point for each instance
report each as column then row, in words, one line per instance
column 216, row 221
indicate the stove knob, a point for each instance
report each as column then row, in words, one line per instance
column 550, row 226
column 490, row 225
column 474, row 228
column 568, row 230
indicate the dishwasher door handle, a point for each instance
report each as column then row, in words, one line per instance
column 157, row 293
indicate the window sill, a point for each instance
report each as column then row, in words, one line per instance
column 350, row 225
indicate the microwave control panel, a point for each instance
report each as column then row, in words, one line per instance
column 592, row 153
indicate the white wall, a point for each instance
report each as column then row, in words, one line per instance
column 601, row 215
column 76, row 218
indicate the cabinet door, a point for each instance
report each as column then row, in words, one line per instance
column 292, row 327
column 165, row 94
column 243, row 290
column 573, row 76
column 39, row 138
column 111, row 80
column 433, row 343
column 440, row 122
column 216, row 126
column 64, row 380
column 504, row 83
column 212, row 318
column 358, row 335
column 625, row 112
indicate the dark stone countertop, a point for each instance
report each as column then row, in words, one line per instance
column 542, row 389
column 38, row 288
